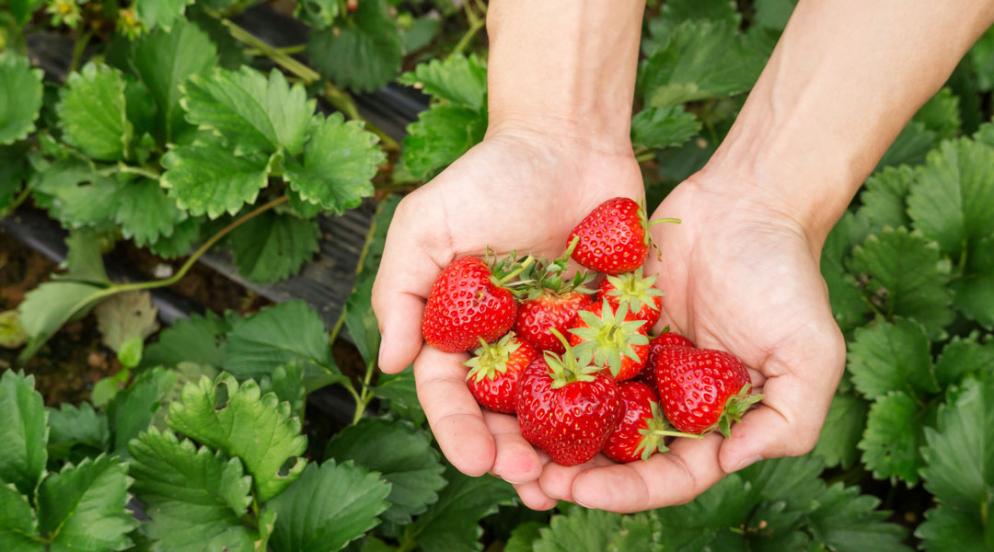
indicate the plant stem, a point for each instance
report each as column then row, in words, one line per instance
column 279, row 57
column 342, row 101
column 364, row 396
column 476, row 23
column 21, row 198
column 78, row 48
column 123, row 168
column 289, row 50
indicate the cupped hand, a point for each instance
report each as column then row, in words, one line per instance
column 519, row 190
column 740, row 274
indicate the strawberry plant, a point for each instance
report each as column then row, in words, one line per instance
column 177, row 128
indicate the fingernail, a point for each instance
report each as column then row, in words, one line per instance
column 744, row 463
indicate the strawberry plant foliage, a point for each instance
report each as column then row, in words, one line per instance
column 20, row 97
column 93, row 113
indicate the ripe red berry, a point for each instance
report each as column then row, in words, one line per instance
column 641, row 431
column 552, row 302
column 703, row 389
column 613, row 238
column 469, row 302
column 615, row 341
column 644, row 299
column 665, row 339
column 495, row 370
column 567, row 406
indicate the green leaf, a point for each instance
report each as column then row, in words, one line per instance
column 22, row 9
column 842, row 431
column 125, row 317
column 208, row 178
column 339, row 162
column 146, row 213
column 161, row 13
column 361, row 326
column 12, row 334
column 363, row 52
column 845, row 521
column 238, row 420
column 975, row 289
column 24, row 432
column 675, row 12
column 893, row 436
column 910, row 146
column 848, row 304
column 84, row 507
column 696, row 525
column 773, row 14
column 18, row 528
column 46, row 308
column 580, row 530
column 133, row 408
column 164, row 60
column 941, row 114
column 278, row 335
column 92, row 113
column 401, row 396
column 981, row 56
column 76, row 195
column 197, row 339
column 952, row 200
column 272, row 247
column 180, row 243
column 249, row 111
column 402, row 454
column 884, row 197
column 14, row 172
column 84, row 259
column 638, row 532
column 452, row 523
column 73, row 426
column 664, row 127
column 523, row 537
column 327, row 508
column 20, row 98
column 699, row 60
column 441, row 134
column 907, row 277
column 420, row 32
column 195, row 498
column 959, row 469
column 457, row 79
column 963, row 356
column 287, row 382
column 887, row 356
column 317, row 14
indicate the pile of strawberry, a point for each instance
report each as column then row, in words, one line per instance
column 575, row 364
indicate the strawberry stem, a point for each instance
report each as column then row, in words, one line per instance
column 529, row 260
column 672, row 220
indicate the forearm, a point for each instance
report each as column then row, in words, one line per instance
column 569, row 64
column 844, row 79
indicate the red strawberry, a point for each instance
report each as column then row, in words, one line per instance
column 703, row 389
column 469, row 302
column 641, row 430
column 552, row 302
column 665, row 339
column 644, row 299
column 613, row 238
column 495, row 370
column 567, row 406
column 617, row 343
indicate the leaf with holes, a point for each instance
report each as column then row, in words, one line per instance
column 237, row 419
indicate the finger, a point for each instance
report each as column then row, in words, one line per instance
column 452, row 412
column 557, row 480
column 531, row 495
column 517, row 461
column 795, row 403
column 413, row 256
column 675, row 477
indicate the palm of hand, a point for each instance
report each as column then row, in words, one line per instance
column 739, row 277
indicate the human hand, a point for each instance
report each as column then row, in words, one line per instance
column 740, row 274
column 519, row 190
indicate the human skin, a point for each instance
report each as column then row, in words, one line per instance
column 740, row 273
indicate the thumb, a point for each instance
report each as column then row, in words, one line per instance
column 796, row 398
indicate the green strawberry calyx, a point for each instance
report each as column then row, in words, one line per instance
column 549, row 278
column 490, row 359
column 634, row 289
column 610, row 337
column 572, row 366
column 735, row 408
column 655, row 432
column 510, row 271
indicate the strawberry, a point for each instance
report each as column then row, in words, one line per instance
column 469, row 301
column 644, row 299
column 613, row 238
column 551, row 302
column 641, row 429
column 703, row 389
column 620, row 344
column 567, row 406
column 665, row 339
column 495, row 370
